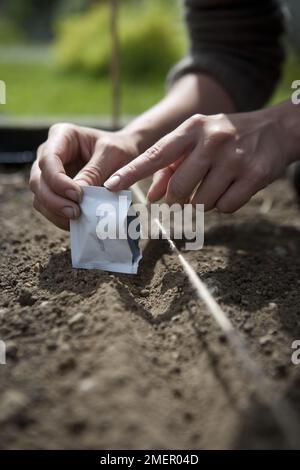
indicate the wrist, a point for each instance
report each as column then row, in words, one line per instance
column 136, row 136
column 148, row 128
column 287, row 116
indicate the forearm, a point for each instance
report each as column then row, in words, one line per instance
column 288, row 116
column 239, row 44
column 192, row 94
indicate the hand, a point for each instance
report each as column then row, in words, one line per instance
column 220, row 161
column 72, row 157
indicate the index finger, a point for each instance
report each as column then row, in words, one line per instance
column 166, row 151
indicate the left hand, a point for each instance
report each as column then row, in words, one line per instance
column 220, row 161
column 75, row 156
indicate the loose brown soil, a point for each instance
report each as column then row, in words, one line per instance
column 98, row 360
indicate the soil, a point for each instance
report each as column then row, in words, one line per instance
column 98, row 360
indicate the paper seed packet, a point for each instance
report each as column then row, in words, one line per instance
column 100, row 237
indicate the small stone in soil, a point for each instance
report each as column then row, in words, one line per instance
column 87, row 384
column 265, row 340
column 77, row 320
column 36, row 268
column 272, row 305
column 248, row 326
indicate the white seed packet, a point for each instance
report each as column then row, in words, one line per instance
column 92, row 245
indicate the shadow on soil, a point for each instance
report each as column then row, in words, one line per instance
column 58, row 276
column 263, row 267
column 129, row 288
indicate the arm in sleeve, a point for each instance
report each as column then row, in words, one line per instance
column 238, row 43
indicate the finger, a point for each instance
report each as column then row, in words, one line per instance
column 51, row 159
column 213, row 186
column 161, row 179
column 166, row 151
column 60, row 222
column 55, row 204
column 237, row 195
column 35, row 173
column 159, row 184
column 106, row 159
column 188, row 175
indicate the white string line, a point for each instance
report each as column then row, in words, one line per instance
column 277, row 404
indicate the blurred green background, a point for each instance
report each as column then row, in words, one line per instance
column 55, row 55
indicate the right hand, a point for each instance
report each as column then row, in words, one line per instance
column 220, row 160
column 72, row 157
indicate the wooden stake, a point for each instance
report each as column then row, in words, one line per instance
column 115, row 64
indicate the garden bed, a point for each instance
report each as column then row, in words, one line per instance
column 99, row 360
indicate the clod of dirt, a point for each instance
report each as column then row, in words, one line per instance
column 11, row 350
column 213, row 286
column 222, row 338
column 280, row 371
column 59, row 278
column 76, row 426
column 248, row 326
column 67, row 364
column 3, row 312
column 144, row 293
column 266, row 344
column 51, row 345
column 25, row 298
column 12, row 405
column 40, row 236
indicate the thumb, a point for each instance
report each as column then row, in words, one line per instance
column 106, row 159
column 92, row 174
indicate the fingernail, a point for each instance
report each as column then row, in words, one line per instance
column 69, row 212
column 113, row 182
column 73, row 195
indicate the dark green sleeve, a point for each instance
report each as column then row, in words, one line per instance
column 238, row 42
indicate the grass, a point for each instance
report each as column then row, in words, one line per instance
column 291, row 72
column 39, row 89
